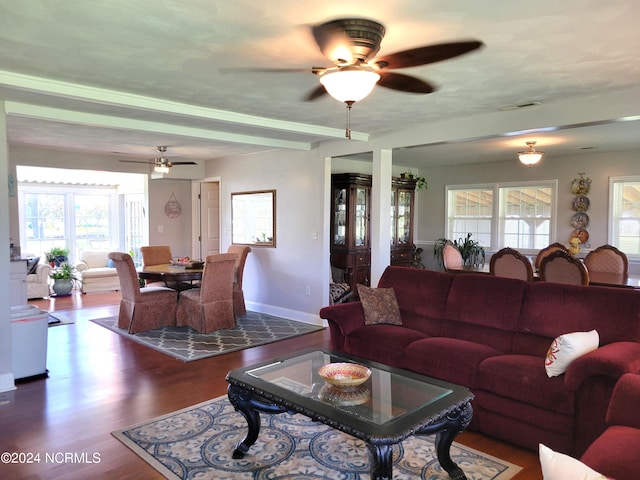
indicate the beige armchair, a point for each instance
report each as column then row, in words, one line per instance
column 96, row 273
column 38, row 281
column 239, row 307
column 145, row 308
column 210, row 307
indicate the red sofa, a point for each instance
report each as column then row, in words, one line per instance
column 616, row 453
column 492, row 334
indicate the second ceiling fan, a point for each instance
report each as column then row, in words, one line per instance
column 161, row 164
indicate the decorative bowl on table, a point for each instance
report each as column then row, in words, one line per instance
column 344, row 396
column 344, row 374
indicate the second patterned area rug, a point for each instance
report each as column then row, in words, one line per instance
column 186, row 344
column 197, row 443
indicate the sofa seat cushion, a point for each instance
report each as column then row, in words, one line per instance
column 615, row 453
column 449, row 359
column 523, row 378
column 99, row 272
column 382, row 343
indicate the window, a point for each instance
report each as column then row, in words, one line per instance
column 624, row 229
column 503, row 215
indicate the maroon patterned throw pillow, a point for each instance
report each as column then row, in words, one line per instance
column 379, row 305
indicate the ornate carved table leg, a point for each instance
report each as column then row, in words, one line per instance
column 249, row 405
column 446, row 430
column 380, row 461
column 241, row 400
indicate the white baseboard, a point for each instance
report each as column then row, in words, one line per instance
column 7, row 382
column 287, row 313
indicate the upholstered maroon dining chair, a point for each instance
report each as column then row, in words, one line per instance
column 145, row 308
column 239, row 307
column 554, row 247
column 510, row 263
column 607, row 259
column 210, row 307
column 155, row 255
column 560, row 267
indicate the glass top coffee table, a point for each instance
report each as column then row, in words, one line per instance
column 388, row 407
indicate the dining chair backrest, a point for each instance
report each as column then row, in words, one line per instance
column 451, row 257
column 155, row 255
column 608, row 259
column 129, row 284
column 217, row 277
column 560, row 267
column 241, row 251
column 510, row 263
column 554, row 247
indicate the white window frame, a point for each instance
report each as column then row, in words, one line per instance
column 612, row 227
column 496, row 220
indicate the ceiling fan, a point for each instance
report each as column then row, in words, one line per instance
column 161, row 164
column 352, row 44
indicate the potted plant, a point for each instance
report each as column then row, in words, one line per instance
column 64, row 278
column 421, row 182
column 471, row 250
column 57, row 256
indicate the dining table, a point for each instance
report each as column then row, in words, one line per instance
column 176, row 276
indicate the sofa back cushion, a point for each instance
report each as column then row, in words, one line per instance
column 421, row 296
column 484, row 309
column 552, row 309
column 95, row 258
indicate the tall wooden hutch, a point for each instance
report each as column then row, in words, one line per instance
column 350, row 226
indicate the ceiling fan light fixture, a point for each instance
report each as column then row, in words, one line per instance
column 161, row 168
column 530, row 156
column 349, row 84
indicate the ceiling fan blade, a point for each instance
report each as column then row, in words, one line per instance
column 404, row 83
column 268, row 70
column 317, row 93
column 425, row 55
column 182, row 163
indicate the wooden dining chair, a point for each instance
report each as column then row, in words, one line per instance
column 607, row 259
column 510, row 263
column 554, row 247
column 145, row 308
column 239, row 307
column 210, row 307
column 560, row 267
column 451, row 257
column 155, row 255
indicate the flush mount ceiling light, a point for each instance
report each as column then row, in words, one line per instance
column 530, row 156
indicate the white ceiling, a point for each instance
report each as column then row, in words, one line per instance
column 121, row 77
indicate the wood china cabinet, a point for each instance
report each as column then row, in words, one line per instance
column 402, row 200
column 350, row 228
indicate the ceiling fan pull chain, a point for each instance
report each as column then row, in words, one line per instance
column 348, row 131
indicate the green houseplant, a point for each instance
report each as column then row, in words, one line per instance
column 421, row 182
column 64, row 278
column 471, row 250
column 57, row 256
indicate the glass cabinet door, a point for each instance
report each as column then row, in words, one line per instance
column 340, row 216
column 404, row 217
column 360, row 220
column 393, row 217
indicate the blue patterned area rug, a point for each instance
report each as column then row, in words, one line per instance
column 186, row 344
column 197, row 443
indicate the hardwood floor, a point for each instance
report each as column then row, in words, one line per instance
column 99, row 382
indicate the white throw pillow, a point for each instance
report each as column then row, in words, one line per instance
column 558, row 466
column 566, row 348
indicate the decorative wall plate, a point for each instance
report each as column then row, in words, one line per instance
column 581, row 186
column 581, row 203
column 581, row 234
column 580, row 220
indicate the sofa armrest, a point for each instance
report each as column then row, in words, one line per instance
column 623, row 407
column 343, row 319
column 612, row 360
column 42, row 272
column 81, row 266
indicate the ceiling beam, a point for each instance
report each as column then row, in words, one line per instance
column 104, row 96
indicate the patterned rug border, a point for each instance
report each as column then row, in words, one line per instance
column 187, row 345
column 457, row 449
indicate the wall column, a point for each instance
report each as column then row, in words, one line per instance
column 380, row 214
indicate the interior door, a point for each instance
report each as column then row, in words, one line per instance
column 209, row 218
